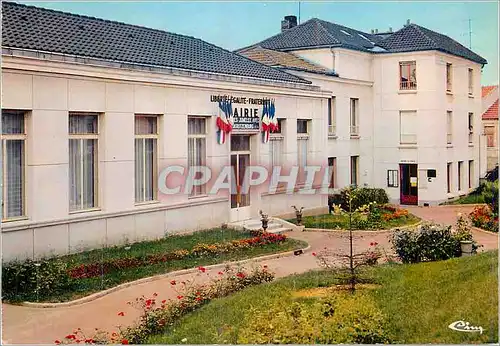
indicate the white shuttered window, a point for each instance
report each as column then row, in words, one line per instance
column 408, row 127
column 197, row 155
column 146, row 139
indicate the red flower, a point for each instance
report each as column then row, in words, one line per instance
column 155, row 294
column 149, row 302
column 375, row 243
column 314, row 253
column 265, row 267
column 163, row 301
column 124, row 342
column 71, row 336
column 121, row 313
column 173, row 283
column 202, row 269
column 180, row 297
column 57, row 342
column 240, row 275
column 89, row 341
column 198, row 298
column 220, row 273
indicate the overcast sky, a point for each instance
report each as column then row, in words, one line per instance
column 233, row 25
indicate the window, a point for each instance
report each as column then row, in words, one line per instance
column 146, row 139
column 276, row 146
column 448, row 177
column 471, row 82
column 302, row 147
column 489, row 131
column 392, row 178
column 408, row 75
column 408, row 127
column 13, row 156
column 197, row 133
column 332, row 167
column 471, row 173
column 354, row 117
column 331, row 116
column 460, row 175
column 471, row 127
column 354, row 170
column 449, row 127
column 83, row 139
column 449, row 73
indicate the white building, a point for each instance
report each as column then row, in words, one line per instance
column 490, row 123
column 94, row 110
column 406, row 105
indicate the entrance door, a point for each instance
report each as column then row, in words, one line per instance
column 240, row 160
column 409, row 184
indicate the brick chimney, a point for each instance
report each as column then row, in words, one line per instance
column 288, row 23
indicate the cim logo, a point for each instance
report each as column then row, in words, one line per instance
column 462, row 326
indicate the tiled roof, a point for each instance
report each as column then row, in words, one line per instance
column 486, row 90
column 283, row 60
column 34, row 28
column 416, row 38
column 492, row 112
column 317, row 33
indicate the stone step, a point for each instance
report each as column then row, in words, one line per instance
column 254, row 226
column 280, row 230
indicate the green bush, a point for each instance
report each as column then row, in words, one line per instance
column 428, row 243
column 341, row 318
column 34, row 279
column 361, row 196
column 490, row 192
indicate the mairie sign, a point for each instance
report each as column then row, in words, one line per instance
column 246, row 111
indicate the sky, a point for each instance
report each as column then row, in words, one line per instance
column 237, row 24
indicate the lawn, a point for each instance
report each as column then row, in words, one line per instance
column 419, row 301
column 472, row 198
column 331, row 221
column 84, row 286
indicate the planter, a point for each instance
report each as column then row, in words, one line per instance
column 466, row 247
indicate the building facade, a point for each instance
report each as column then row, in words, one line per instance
column 490, row 123
column 406, row 106
column 94, row 112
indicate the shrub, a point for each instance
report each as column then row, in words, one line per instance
column 34, row 279
column 341, row 318
column 430, row 242
column 362, row 196
column 484, row 218
column 490, row 193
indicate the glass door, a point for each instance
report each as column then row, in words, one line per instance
column 240, row 160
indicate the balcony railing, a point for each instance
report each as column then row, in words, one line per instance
column 332, row 130
column 449, row 138
column 354, row 130
column 407, row 85
column 408, row 139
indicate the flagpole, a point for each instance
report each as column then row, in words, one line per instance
column 299, row 11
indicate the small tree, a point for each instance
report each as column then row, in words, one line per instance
column 352, row 261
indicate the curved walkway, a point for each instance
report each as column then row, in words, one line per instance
column 29, row 325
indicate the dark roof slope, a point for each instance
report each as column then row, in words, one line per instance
column 285, row 60
column 416, row 38
column 35, row 28
column 317, row 33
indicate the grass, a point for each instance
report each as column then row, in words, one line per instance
column 472, row 198
column 86, row 286
column 330, row 221
column 419, row 302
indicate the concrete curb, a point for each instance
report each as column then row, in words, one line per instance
column 98, row 295
column 380, row 231
column 484, row 231
column 460, row 205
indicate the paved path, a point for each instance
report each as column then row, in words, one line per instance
column 38, row 325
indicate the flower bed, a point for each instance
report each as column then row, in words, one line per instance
column 156, row 316
column 484, row 218
column 74, row 276
column 200, row 250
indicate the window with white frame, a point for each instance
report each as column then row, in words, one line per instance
column 83, row 141
column 332, row 129
column 354, row 170
column 408, row 75
column 471, row 173
column 302, row 147
column 449, row 127
column 460, row 175
column 197, row 148
column 449, row 77
column 146, row 144
column 276, row 140
column 448, row 177
column 332, row 166
column 354, row 119
column 471, row 81
column 470, row 122
column 408, row 127
column 13, row 163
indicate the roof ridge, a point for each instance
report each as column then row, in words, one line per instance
column 419, row 29
column 319, row 22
